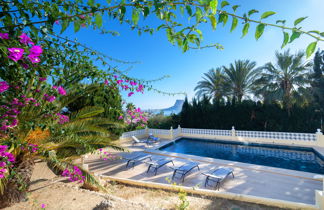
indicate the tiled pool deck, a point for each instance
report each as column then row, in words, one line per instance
column 254, row 180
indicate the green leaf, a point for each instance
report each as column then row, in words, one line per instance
column 76, row 26
column 316, row 32
column 98, row 19
column 294, row 35
column 235, row 7
column 222, row 18
column 198, row 14
column 224, row 4
column 310, row 49
column 199, row 32
column 267, row 14
column 108, row 1
column 146, row 11
column 213, row 6
column 281, row 21
column 65, row 24
column 259, row 31
column 322, row 34
column 252, row 11
column 286, row 39
column 189, row 10
column 213, row 21
column 181, row 10
column 234, row 23
column 91, row 3
column 135, row 16
column 299, row 20
column 245, row 29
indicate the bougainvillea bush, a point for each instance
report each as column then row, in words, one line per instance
column 33, row 122
column 42, row 72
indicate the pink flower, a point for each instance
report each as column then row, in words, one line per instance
column 130, row 94
column 36, row 50
column 140, row 88
column 3, row 148
column 50, row 98
column 3, row 164
column 13, row 123
column 25, row 66
column 63, row 118
column 132, row 83
column 120, row 117
column 54, row 87
column 15, row 53
column 37, row 104
column 4, row 35
column 61, row 91
column 3, row 86
column 119, row 81
column 106, row 82
column 24, row 39
column 42, row 79
column 33, row 58
column 115, row 76
column 57, row 22
column 43, row 206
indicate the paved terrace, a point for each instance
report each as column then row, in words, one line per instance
column 249, row 179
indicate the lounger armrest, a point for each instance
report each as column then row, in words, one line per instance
column 212, row 175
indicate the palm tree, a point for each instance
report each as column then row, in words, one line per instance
column 212, row 85
column 240, row 77
column 285, row 80
column 59, row 145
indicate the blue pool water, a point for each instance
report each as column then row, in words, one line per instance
column 295, row 158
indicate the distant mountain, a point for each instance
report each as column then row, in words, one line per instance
column 175, row 109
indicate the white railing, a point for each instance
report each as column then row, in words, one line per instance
column 133, row 133
column 207, row 132
column 313, row 139
column 277, row 135
column 159, row 131
column 177, row 132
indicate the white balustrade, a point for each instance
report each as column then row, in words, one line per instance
column 133, row 133
column 277, row 135
column 253, row 136
column 207, row 132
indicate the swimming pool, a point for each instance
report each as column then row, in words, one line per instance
column 288, row 157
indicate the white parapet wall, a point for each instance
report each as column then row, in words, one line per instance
column 285, row 138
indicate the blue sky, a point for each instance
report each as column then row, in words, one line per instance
column 158, row 57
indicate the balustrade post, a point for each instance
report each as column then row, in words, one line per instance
column 146, row 130
column 233, row 131
column 319, row 138
column 179, row 130
column 171, row 133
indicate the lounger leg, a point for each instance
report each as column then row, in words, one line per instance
column 174, row 172
column 233, row 175
column 206, row 181
column 198, row 167
column 156, row 170
column 183, row 176
column 127, row 163
column 148, row 168
column 217, row 185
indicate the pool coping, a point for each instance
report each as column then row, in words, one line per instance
column 235, row 164
column 212, row 193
